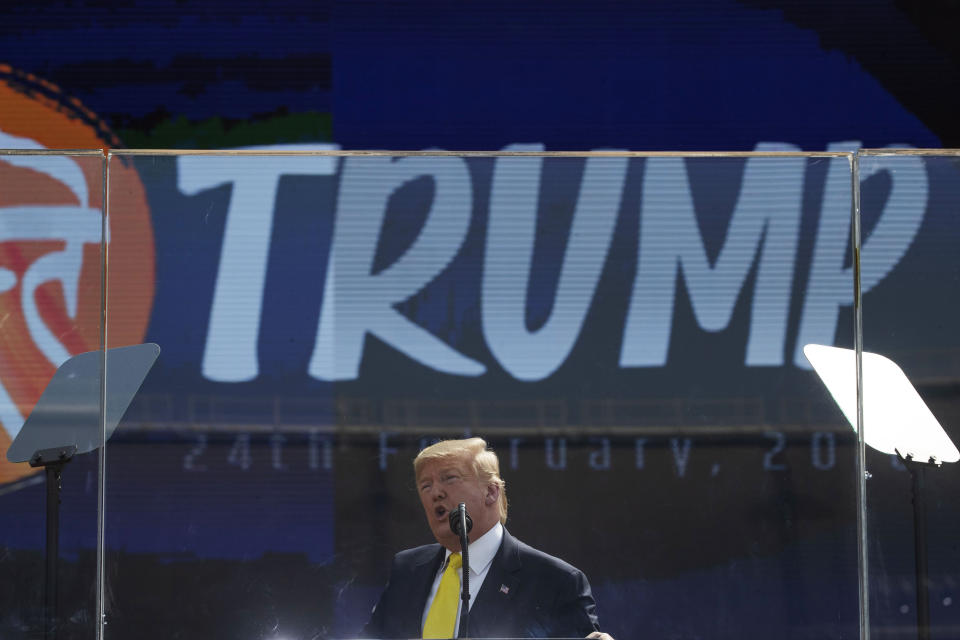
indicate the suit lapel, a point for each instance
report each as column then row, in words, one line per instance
column 498, row 589
column 424, row 572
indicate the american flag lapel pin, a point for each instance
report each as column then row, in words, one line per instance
column 504, row 589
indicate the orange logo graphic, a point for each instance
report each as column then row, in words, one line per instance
column 50, row 228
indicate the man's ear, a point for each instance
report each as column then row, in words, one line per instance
column 493, row 494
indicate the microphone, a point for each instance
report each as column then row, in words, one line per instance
column 458, row 517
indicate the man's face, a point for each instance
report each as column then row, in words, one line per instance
column 444, row 484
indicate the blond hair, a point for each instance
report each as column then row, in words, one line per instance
column 484, row 462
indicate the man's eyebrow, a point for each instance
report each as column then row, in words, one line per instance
column 451, row 467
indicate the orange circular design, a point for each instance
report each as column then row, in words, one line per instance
column 42, row 222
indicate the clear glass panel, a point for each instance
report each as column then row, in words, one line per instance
column 624, row 331
column 911, row 269
column 51, row 210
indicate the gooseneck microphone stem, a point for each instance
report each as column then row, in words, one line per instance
column 461, row 524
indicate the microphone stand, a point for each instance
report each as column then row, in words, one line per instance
column 461, row 524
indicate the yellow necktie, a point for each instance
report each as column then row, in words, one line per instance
column 442, row 617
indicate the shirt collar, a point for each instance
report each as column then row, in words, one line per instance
column 483, row 549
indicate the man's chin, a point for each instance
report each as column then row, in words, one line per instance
column 448, row 540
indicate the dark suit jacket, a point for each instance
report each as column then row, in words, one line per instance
column 526, row 594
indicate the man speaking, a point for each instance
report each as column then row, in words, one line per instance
column 515, row 590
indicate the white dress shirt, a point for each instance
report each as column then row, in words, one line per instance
column 482, row 550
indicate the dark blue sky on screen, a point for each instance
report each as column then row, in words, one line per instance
column 682, row 75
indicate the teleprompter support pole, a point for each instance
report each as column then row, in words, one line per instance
column 53, row 473
column 921, row 567
column 53, row 461
column 918, row 469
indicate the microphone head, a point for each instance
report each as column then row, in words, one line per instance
column 456, row 520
